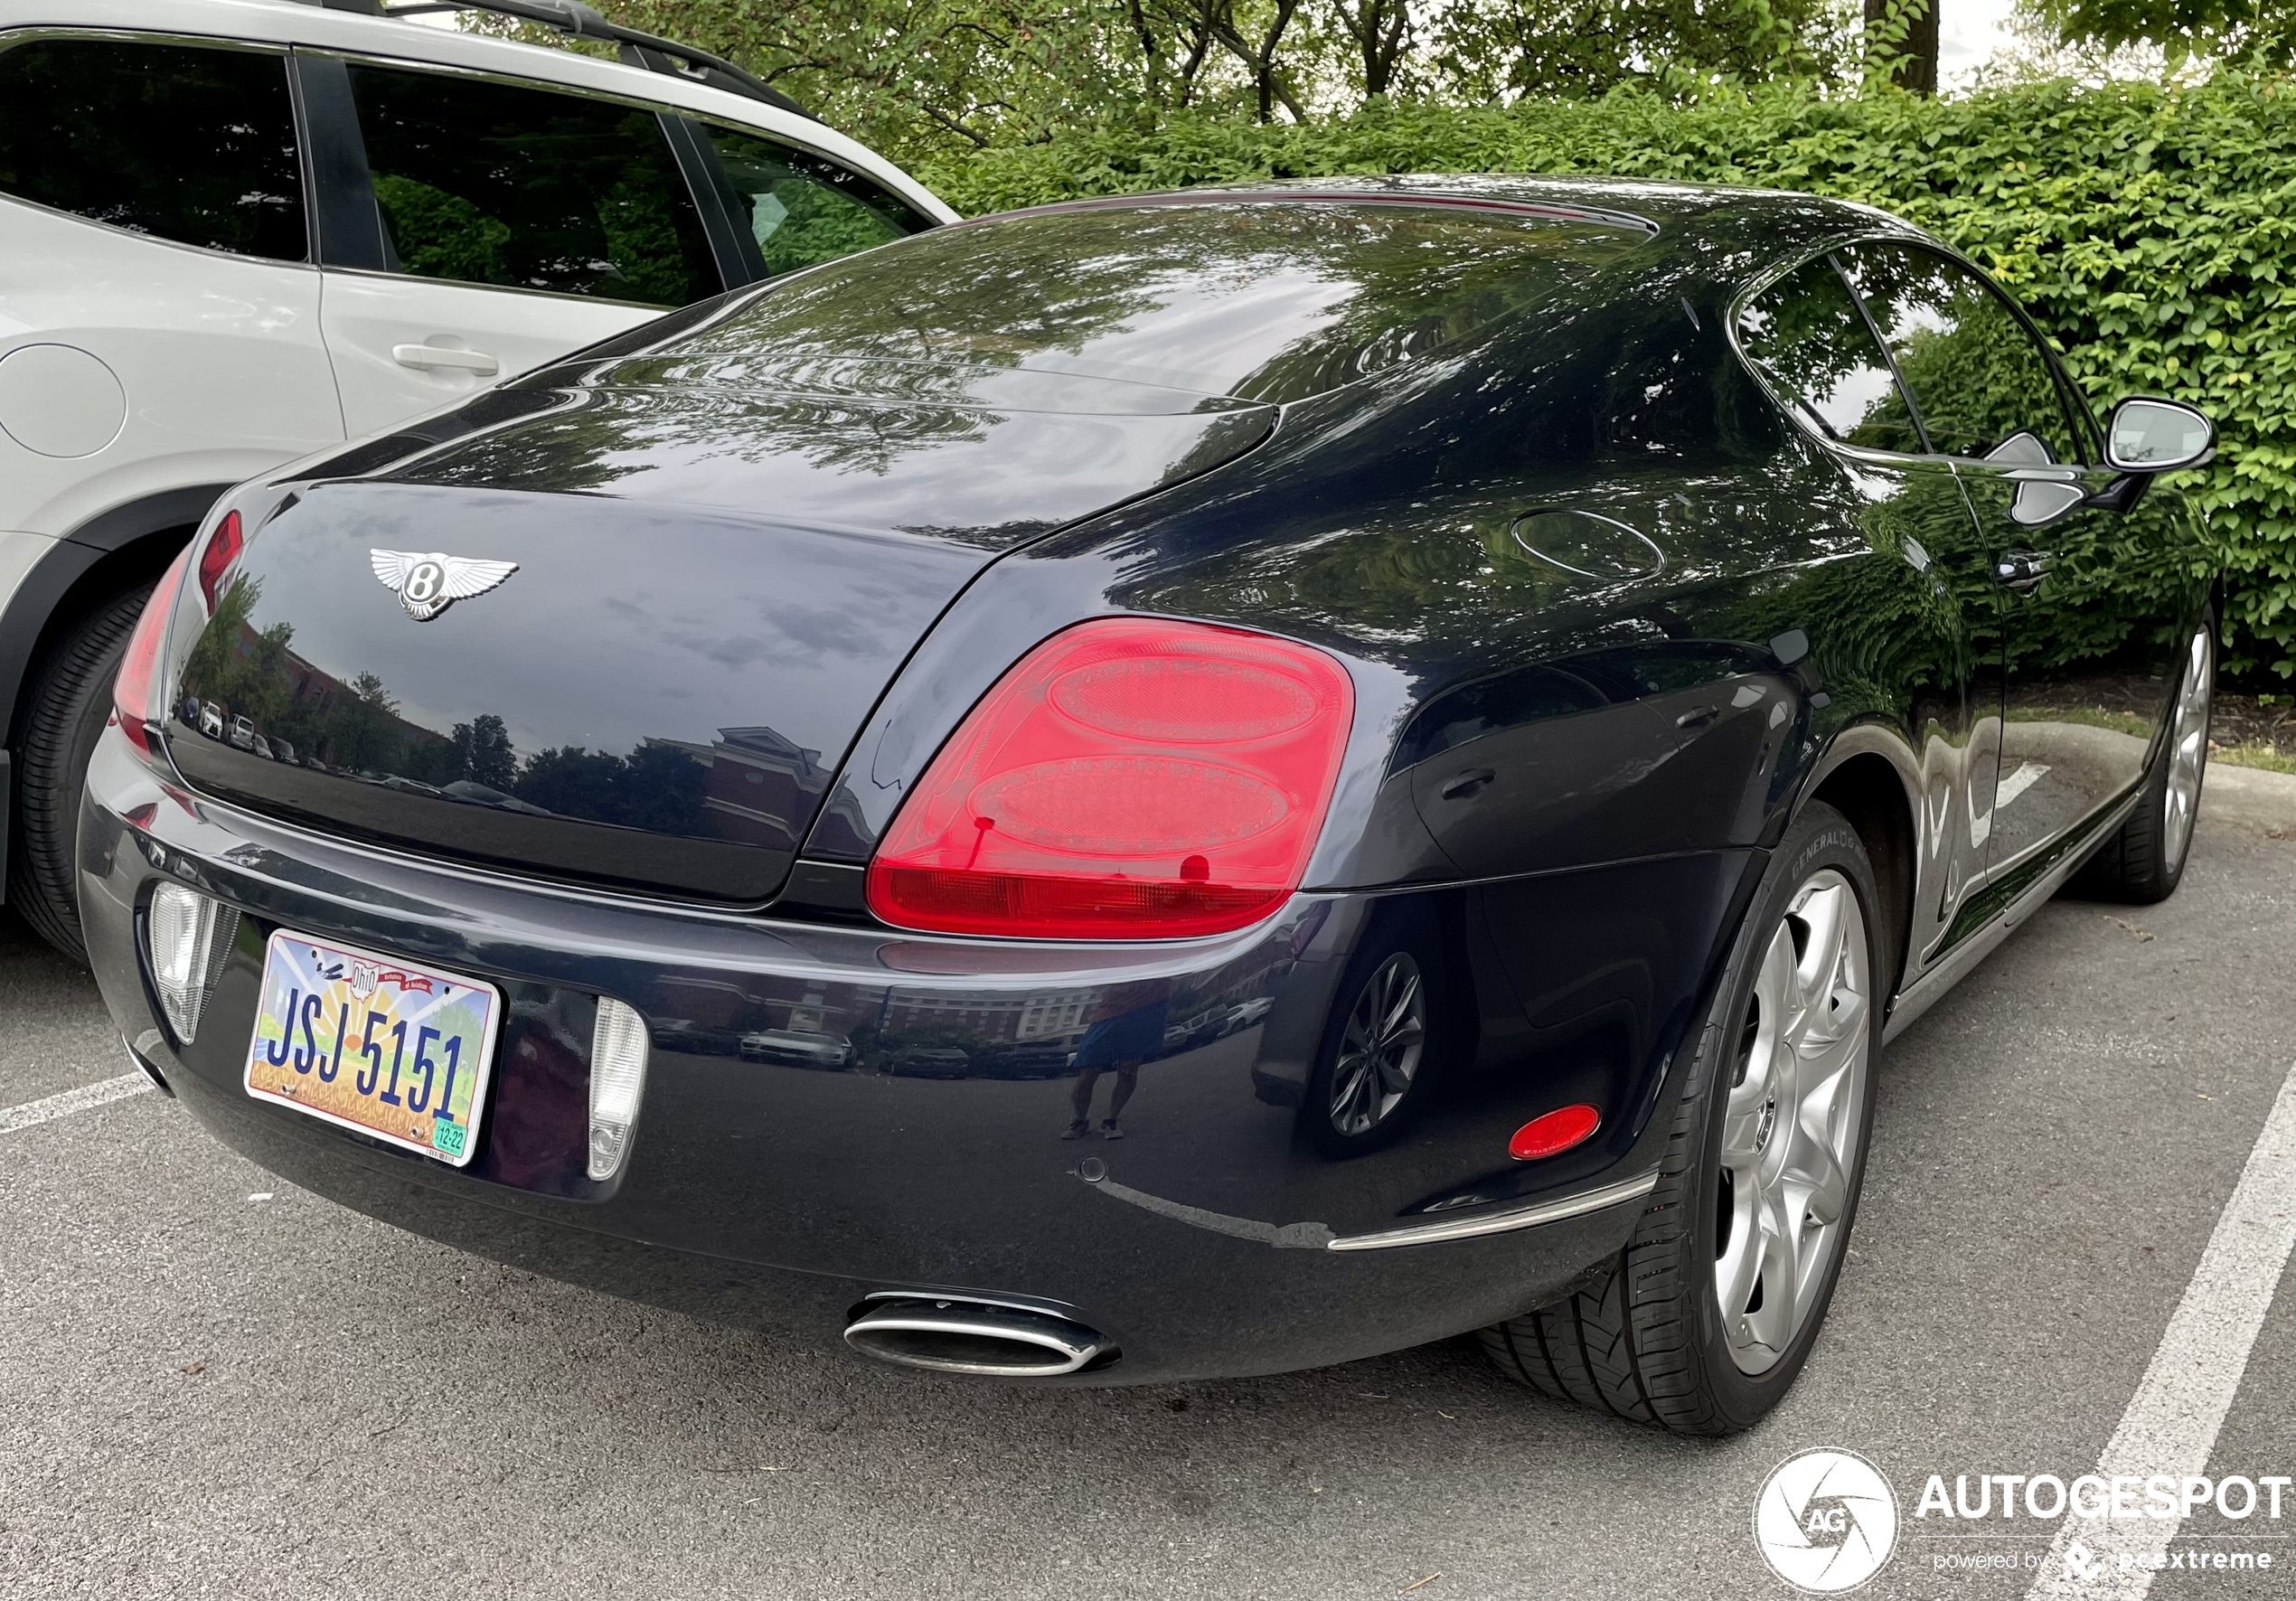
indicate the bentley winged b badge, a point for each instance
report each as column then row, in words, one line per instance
column 428, row 583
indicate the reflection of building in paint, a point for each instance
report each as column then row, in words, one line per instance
column 762, row 787
column 1042, row 1016
column 997, row 1016
column 991, row 1016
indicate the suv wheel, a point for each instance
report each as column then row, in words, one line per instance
column 64, row 711
column 1701, row 1325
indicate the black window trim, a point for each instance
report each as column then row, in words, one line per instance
column 736, row 255
column 15, row 38
column 353, row 243
column 1888, row 356
column 2076, row 406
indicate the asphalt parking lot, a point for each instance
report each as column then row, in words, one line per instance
column 215, row 1384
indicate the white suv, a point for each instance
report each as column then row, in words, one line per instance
column 235, row 232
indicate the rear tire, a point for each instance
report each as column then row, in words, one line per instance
column 1701, row 1325
column 2144, row 860
column 65, row 710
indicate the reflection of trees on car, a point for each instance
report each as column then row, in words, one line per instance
column 253, row 674
column 483, row 752
column 1348, row 290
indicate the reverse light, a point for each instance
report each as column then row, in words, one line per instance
column 618, row 1082
column 1552, row 1134
column 187, row 936
column 1130, row 778
column 133, row 689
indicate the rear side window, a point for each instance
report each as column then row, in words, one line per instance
column 799, row 208
column 1975, row 369
column 1806, row 331
column 181, row 141
column 494, row 184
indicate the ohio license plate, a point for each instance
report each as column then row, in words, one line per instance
column 370, row 1043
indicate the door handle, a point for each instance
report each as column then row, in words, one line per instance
column 427, row 356
column 2023, row 571
column 1467, row 784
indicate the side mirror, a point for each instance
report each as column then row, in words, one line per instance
column 2149, row 435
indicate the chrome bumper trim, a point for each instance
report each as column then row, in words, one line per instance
column 1527, row 1216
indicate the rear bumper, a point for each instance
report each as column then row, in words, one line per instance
column 1215, row 1239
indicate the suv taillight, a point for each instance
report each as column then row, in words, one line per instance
column 132, row 692
column 1130, row 778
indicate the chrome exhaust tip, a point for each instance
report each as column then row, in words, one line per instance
column 989, row 1339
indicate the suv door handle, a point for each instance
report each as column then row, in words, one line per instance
column 2023, row 571
column 427, row 356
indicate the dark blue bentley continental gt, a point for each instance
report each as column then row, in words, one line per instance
column 1171, row 787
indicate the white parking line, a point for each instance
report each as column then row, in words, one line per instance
column 50, row 1107
column 2171, row 1423
column 2025, row 776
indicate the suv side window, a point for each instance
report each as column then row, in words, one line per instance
column 1806, row 331
column 801, row 209
column 188, row 143
column 491, row 182
column 1976, row 371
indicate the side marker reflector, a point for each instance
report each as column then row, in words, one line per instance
column 1553, row 1134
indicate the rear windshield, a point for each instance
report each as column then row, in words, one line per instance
column 1261, row 300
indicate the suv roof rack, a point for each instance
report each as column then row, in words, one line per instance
column 573, row 18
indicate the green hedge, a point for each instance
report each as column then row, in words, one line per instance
column 2151, row 230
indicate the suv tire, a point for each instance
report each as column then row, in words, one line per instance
column 64, row 711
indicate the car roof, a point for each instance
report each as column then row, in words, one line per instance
column 298, row 22
column 1731, row 230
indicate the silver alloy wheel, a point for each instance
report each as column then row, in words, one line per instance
column 2187, row 750
column 1790, row 1126
column 1387, row 1029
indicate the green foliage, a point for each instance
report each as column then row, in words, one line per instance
column 816, row 224
column 2151, row 229
column 914, row 78
column 442, row 235
column 2262, row 30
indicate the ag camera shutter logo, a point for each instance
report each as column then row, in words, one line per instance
column 1825, row 1522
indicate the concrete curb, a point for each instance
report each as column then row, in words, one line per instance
column 2249, row 797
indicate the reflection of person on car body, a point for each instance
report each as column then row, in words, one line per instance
column 1128, row 1029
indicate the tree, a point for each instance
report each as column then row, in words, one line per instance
column 919, row 77
column 361, row 731
column 1506, row 49
column 2262, row 29
column 1901, row 42
column 1382, row 31
column 483, row 752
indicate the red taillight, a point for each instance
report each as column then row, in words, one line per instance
column 215, row 561
column 1557, row 1131
column 131, row 691
column 1130, row 779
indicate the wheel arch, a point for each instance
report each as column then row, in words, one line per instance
column 127, row 544
column 1868, row 776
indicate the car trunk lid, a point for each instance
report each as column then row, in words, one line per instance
column 657, row 694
